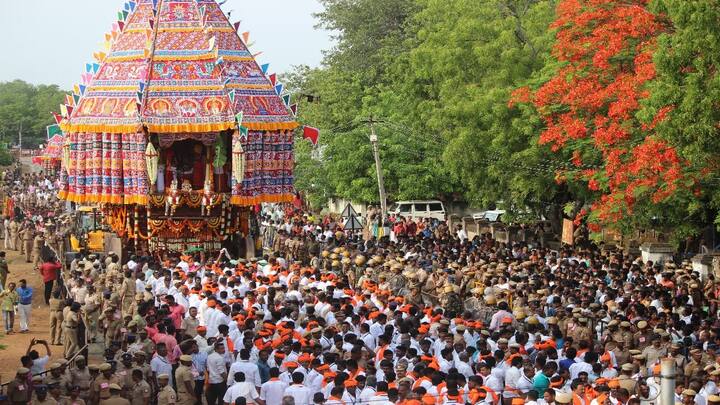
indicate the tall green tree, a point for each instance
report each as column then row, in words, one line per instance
column 27, row 108
column 455, row 82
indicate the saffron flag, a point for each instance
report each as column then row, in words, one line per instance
column 311, row 134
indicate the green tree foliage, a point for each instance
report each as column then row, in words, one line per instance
column 446, row 77
column 29, row 106
column 688, row 87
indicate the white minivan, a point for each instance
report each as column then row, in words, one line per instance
column 419, row 209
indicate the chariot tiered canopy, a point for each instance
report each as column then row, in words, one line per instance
column 177, row 71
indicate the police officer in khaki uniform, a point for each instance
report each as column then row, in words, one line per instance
column 57, row 376
column 80, row 376
column 115, row 398
column 184, row 381
column 166, row 395
column 56, row 318
column 70, row 324
column 101, row 386
column 642, row 337
column 140, row 393
column 27, row 235
column 37, row 243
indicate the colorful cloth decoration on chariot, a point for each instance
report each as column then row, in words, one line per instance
column 177, row 69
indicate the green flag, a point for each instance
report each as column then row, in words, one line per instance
column 239, row 118
column 53, row 130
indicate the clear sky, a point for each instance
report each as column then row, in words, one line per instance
column 49, row 41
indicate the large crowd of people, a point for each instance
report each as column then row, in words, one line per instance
column 425, row 315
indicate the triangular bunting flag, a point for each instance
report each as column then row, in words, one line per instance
column 265, row 67
column 127, row 6
column 120, row 16
column 138, row 107
column 219, row 61
column 108, row 36
column 243, row 132
column 69, row 100
column 139, row 96
column 146, row 53
column 152, row 23
column 132, row 5
column 121, row 25
column 76, row 97
column 273, row 78
column 58, row 117
column 239, row 118
column 115, row 34
column 255, row 55
column 279, row 88
column 231, row 96
column 99, row 56
column 115, row 27
column 237, row 26
column 155, row 4
column 246, row 36
column 293, row 108
column 64, row 111
column 202, row 12
column 88, row 67
column 96, row 67
column 312, row 134
column 107, row 46
column 286, row 100
column 76, row 89
column 86, row 78
column 226, row 82
column 211, row 44
column 82, row 88
column 141, row 86
column 69, row 110
column 125, row 14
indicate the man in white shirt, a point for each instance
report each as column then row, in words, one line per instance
column 217, row 375
column 243, row 389
column 251, row 371
column 273, row 390
column 300, row 393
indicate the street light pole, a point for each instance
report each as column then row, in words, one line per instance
column 378, row 169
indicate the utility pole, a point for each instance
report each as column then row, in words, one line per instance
column 378, row 168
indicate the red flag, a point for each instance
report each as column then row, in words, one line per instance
column 273, row 79
column 312, row 134
column 70, row 110
column 293, row 108
column 58, row 117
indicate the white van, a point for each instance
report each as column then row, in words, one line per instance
column 419, row 209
